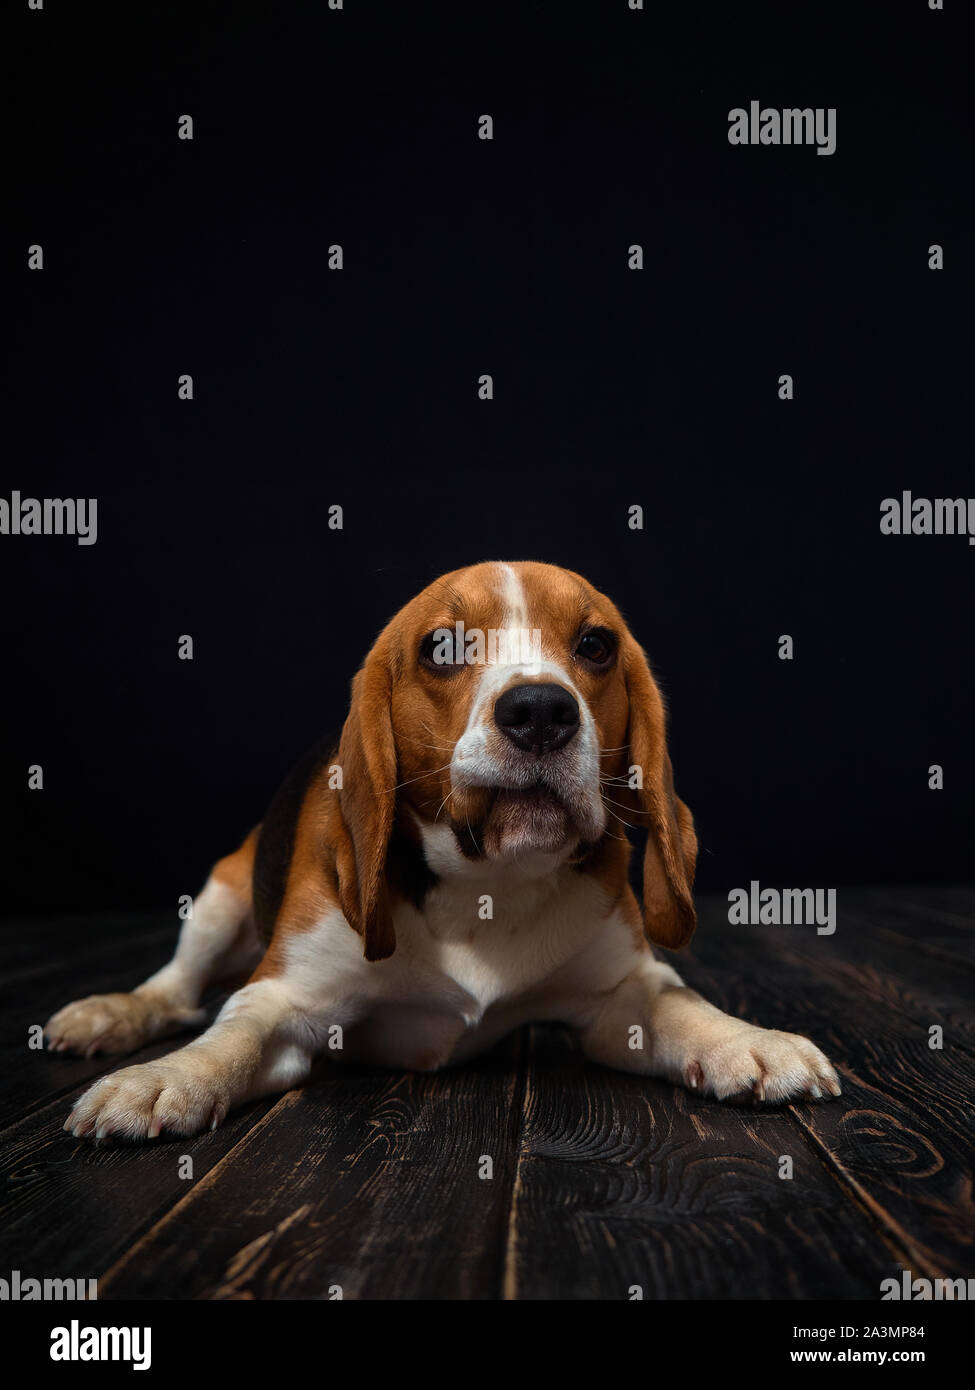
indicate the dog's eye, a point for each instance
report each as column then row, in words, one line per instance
column 596, row 646
column 438, row 651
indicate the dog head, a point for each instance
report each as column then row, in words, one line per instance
column 510, row 716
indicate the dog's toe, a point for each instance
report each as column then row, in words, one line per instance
column 142, row 1102
column 766, row 1065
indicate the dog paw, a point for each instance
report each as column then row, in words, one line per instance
column 761, row 1062
column 113, row 1023
column 141, row 1102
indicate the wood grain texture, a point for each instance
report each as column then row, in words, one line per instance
column 901, row 1140
column 624, row 1181
column 370, row 1181
column 70, row 1208
column 64, row 962
column 365, row 1181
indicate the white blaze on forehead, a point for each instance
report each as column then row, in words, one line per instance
column 515, row 599
column 483, row 757
column 520, row 658
column 517, row 625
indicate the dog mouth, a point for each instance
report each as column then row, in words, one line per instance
column 528, row 818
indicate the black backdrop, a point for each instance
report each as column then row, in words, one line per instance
column 358, row 387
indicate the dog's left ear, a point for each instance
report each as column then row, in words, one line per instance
column 367, row 799
column 671, row 852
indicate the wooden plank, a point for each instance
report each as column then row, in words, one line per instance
column 364, row 1180
column 950, row 900
column 901, row 1139
column 623, row 1181
column 70, row 1208
column 369, row 1180
column 943, row 927
column 31, row 1077
column 35, row 947
column 923, row 989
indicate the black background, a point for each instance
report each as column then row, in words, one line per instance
column 358, row 387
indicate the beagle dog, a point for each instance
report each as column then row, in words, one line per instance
column 455, row 868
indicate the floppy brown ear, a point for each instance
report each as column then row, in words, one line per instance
column 367, row 757
column 671, row 852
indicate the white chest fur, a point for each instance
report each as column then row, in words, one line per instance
column 492, row 948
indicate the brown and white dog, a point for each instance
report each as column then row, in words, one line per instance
column 456, row 868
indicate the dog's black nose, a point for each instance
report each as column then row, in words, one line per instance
column 537, row 718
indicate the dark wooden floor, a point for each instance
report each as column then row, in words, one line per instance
column 373, row 1182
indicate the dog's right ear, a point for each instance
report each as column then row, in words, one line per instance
column 367, row 799
column 671, row 850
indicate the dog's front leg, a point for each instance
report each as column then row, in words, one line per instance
column 217, row 944
column 652, row 1023
column 262, row 1041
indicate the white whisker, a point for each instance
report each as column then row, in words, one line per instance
column 431, row 773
